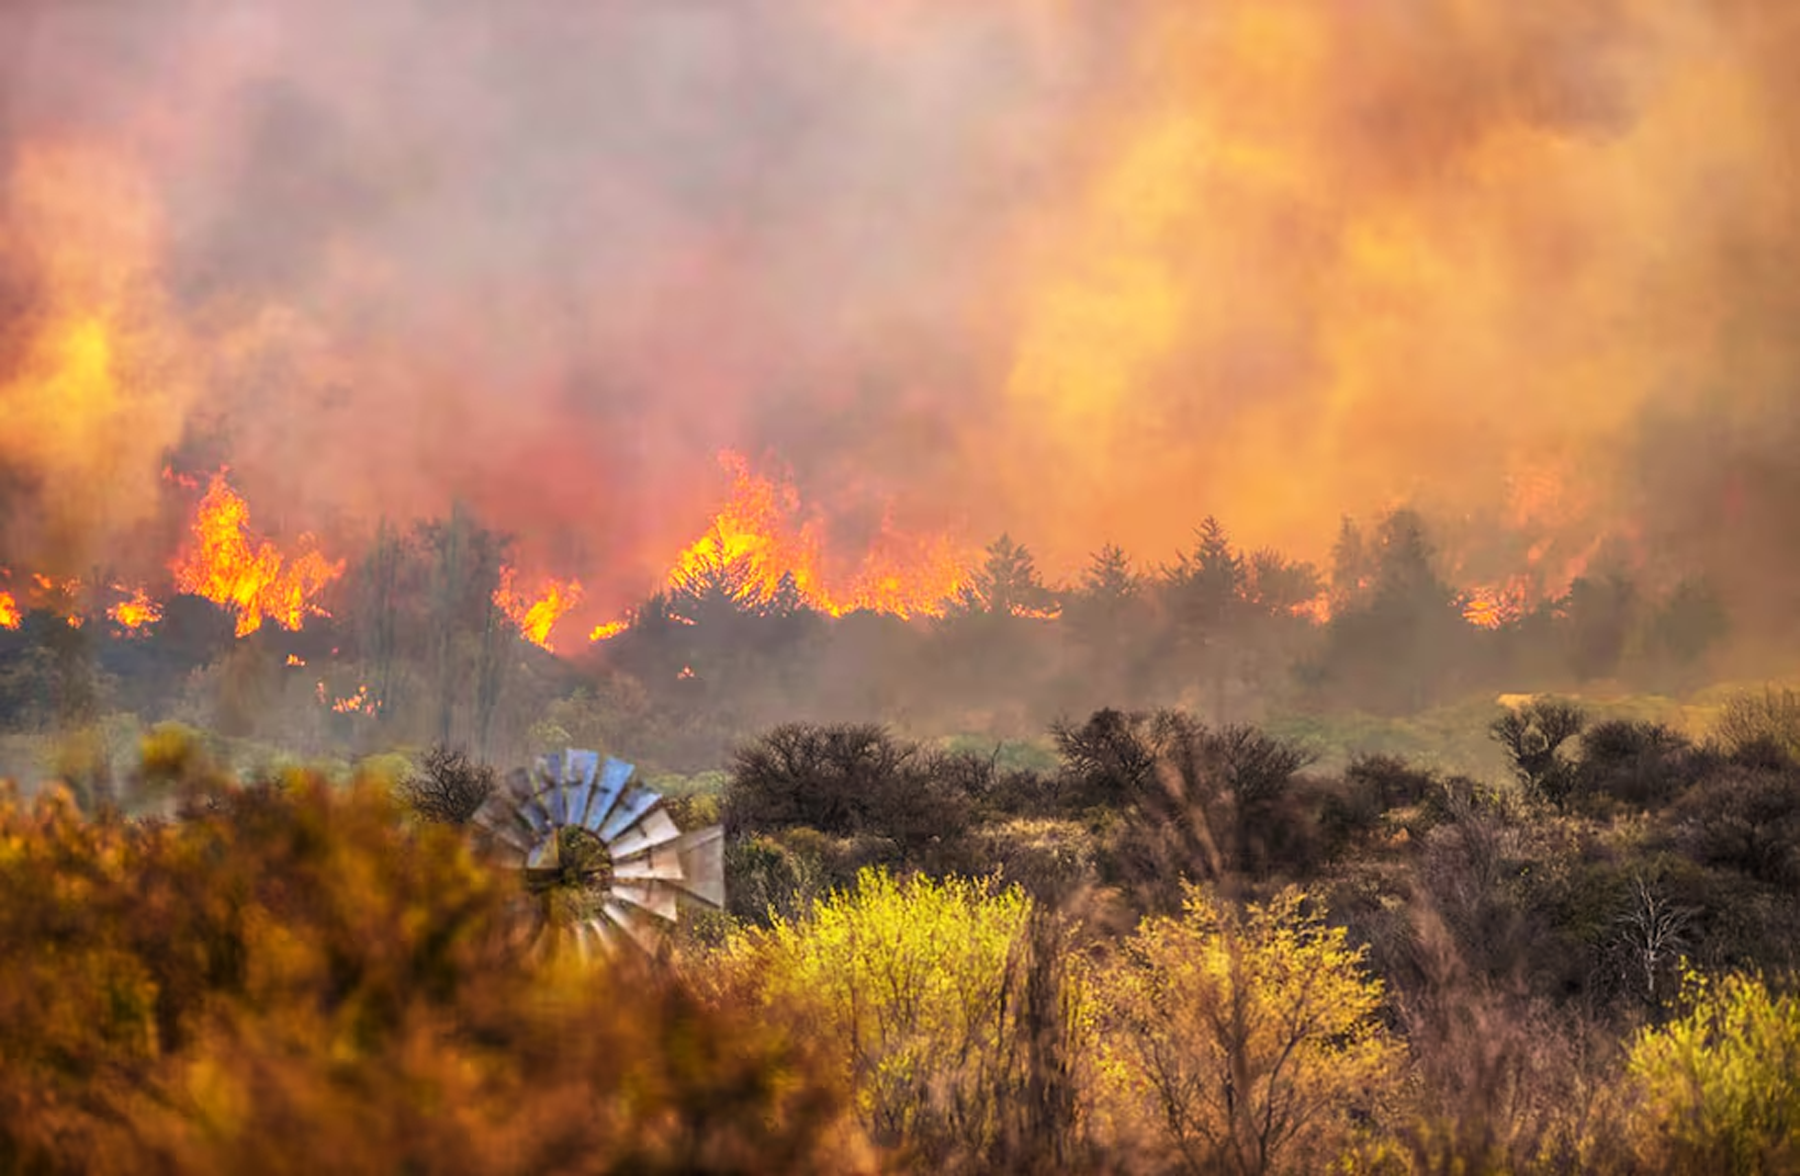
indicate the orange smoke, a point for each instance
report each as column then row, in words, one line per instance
column 255, row 582
column 535, row 617
column 137, row 612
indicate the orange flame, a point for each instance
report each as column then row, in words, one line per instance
column 357, row 704
column 137, row 612
column 609, row 630
column 1317, row 610
column 1494, row 605
column 535, row 618
column 9, row 612
column 253, row 582
column 759, row 532
column 294, row 659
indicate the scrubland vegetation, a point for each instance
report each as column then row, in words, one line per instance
column 1304, row 897
column 1169, row 947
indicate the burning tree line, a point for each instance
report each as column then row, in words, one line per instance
column 429, row 636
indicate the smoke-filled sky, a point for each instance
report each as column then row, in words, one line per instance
column 1085, row 270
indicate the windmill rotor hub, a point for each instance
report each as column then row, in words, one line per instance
column 600, row 851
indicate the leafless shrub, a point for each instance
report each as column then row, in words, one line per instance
column 1753, row 722
column 448, row 787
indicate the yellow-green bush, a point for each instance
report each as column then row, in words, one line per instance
column 1720, row 1085
column 1243, row 1040
column 922, row 992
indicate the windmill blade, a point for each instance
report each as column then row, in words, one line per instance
column 588, row 940
column 604, row 932
column 507, row 845
column 702, row 855
column 656, row 827
column 579, row 768
column 650, row 895
column 497, row 820
column 634, row 923
column 550, row 788
column 661, row 862
column 532, row 814
column 545, row 855
column 519, row 785
column 632, row 805
column 606, row 793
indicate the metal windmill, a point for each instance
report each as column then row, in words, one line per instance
column 601, row 855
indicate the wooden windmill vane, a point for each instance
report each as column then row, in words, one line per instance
column 601, row 852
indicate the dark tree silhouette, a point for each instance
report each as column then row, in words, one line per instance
column 1690, row 622
column 448, row 787
column 1352, row 570
column 1008, row 583
column 465, row 571
column 1598, row 618
column 1533, row 736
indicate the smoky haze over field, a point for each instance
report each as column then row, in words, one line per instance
column 1083, row 271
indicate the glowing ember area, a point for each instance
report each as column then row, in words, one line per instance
column 294, row 659
column 254, row 581
column 356, row 704
column 760, row 536
column 60, row 596
column 1317, row 610
column 536, row 616
column 9, row 611
column 609, row 630
column 1493, row 607
column 137, row 612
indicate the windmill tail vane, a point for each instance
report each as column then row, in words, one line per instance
column 602, row 849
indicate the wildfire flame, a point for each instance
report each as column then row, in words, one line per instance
column 609, row 630
column 535, row 617
column 357, row 704
column 254, row 582
column 137, row 612
column 1497, row 605
column 1317, row 610
column 9, row 612
column 760, row 531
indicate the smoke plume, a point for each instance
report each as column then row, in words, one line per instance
column 1086, row 271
